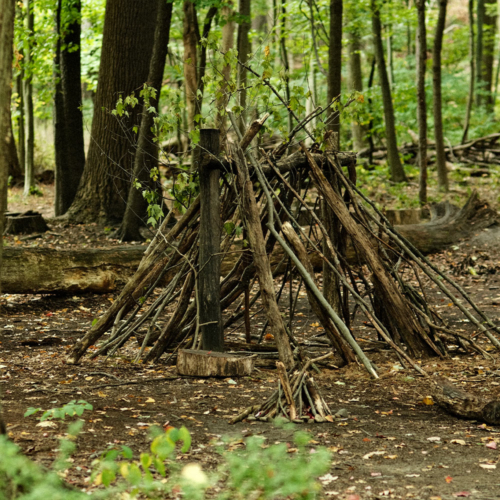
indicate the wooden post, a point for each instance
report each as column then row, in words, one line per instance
column 209, row 275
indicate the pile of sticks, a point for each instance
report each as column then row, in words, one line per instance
column 260, row 201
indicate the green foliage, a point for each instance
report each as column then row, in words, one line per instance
column 273, row 472
column 69, row 409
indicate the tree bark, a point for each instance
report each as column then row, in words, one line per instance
column 421, row 101
column 334, row 80
column 472, row 68
column 438, row 101
column 396, row 168
column 146, row 156
column 7, row 13
column 21, row 142
column 68, row 126
column 29, row 170
column 190, row 38
column 244, row 49
column 125, row 57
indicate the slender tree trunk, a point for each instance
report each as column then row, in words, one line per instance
column 284, row 60
column 244, row 49
column 29, row 170
column 390, row 59
column 334, row 79
column 489, row 35
column 125, row 56
column 437, row 102
column 15, row 170
column 69, row 141
column 472, row 69
column 7, row 13
column 480, row 15
column 227, row 45
column 396, row 168
column 356, row 84
column 203, row 59
column 146, row 156
column 421, row 102
column 21, row 140
column 190, row 38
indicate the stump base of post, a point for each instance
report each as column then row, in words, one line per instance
column 213, row 364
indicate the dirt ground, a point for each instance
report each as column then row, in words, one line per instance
column 421, row 452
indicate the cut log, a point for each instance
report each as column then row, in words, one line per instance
column 213, row 364
column 25, row 223
column 462, row 404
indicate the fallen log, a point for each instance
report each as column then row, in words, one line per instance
column 104, row 270
column 44, row 270
column 462, row 404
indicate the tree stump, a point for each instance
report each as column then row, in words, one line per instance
column 213, row 364
column 25, row 223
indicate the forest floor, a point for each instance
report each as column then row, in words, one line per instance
column 420, row 451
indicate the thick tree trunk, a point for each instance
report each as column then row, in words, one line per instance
column 190, row 38
column 396, row 168
column 244, row 49
column 69, row 145
column 437, row 102
column 146, row 156
column 421, row 102
column 29, row 170
column 472, row 69
column 7, row 10
column 334, row 80
column 125, row 57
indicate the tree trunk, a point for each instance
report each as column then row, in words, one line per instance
column 126, row 52
column 396, row 168
column 222, row 102
column 334, row 80
column 14, row 165
column 488, row 54
column 356, row 84
column 421, row 102
column 146, row 156
column 29, row 170
column 480, row 14
column 7, row 10
column 244, row 49
column 437, row 102
column 472, row 67
column 68, row 133
column 21, row 141
column 190, row 38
